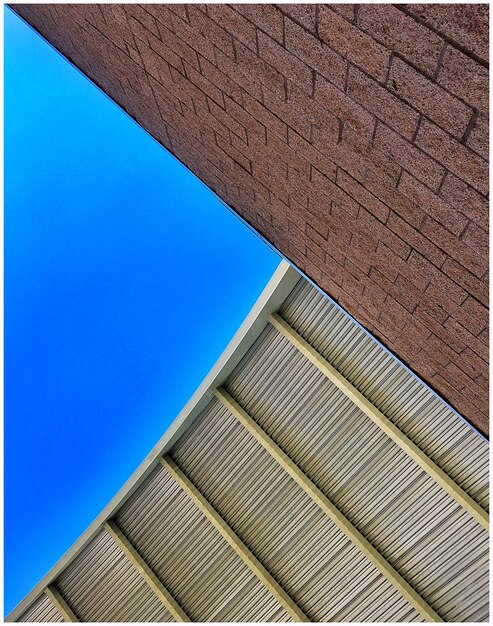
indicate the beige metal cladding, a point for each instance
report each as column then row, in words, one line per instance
column 42, row 610
column 103, row 585
column 59, row 603
column 329, row 509
column 390, row 429
column 317, row 565
column 333, row 488
column 234, row 541
column 416, row 526
column 194, row 561
column 145, row 571
column 428, row 421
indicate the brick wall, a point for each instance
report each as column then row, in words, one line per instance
column 353, row 137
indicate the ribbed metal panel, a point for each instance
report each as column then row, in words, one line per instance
column 41, row 611
column 204, row 575
column 414, row 524
column 101, row 585
column 314, row 561
column 391, row 388
column 422, row 532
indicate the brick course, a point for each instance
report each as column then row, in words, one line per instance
column 353, row 137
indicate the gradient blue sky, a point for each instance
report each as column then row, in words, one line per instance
column 124, row 280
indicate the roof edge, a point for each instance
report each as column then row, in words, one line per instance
column 277, row 290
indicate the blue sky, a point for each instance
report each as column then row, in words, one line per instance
column 124, row 280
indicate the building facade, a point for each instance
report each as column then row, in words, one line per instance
column 354, row 138
column 311, row 477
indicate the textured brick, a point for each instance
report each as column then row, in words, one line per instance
column 315, row 112
column 248, row 122
column 237, row 25
column 386, row 263
column 442, row 330
column 470, row 257
column 362, row 195
column 352, row 43
column 473, row 316
column 181, row 10
column 401, row 34
column 312, row 155
column 360, row 255
column 348, row 11
column 473, row 285
column 428, row 98
column 415, row 239
column 478, row 139
column 314, row 53
column 372, row 229
column 431, row 204
column 140, row 14
column 210, row 30
column 357, row 155
column 465, row 78
column 177, row 45
column 382, row 103
column 450, row 391
column 402, row 204
column 428, row 308
column 287, row 112
column 304, row 14
column 204, row 85
column 465, row 24
column 343, row 107
column 465, row 199
column 437, row 289
column 168, row 54
column 472, row 364
column 227, row 120
column 439, row 349
column 285, row 62
column 456, row 157
column 187, row 33
column 154, row 63
column 373, row 183
column 478, row 346
column 115, row 18
column 253, row 67
column 477, row 239
column 324, row 185
column 415, row 161
column 266, row 117
column 221, row 80
column 265, row 16
column 235, row 154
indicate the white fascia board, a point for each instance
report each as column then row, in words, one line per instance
column 277, row 290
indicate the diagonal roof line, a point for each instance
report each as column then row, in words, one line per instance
column 278, row 288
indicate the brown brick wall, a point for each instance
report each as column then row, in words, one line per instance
column 353, row 137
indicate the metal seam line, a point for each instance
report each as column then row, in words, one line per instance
column 146, row 572
column 60, row 604
column 388, row 427
column 233, row 540
column 402, row 586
